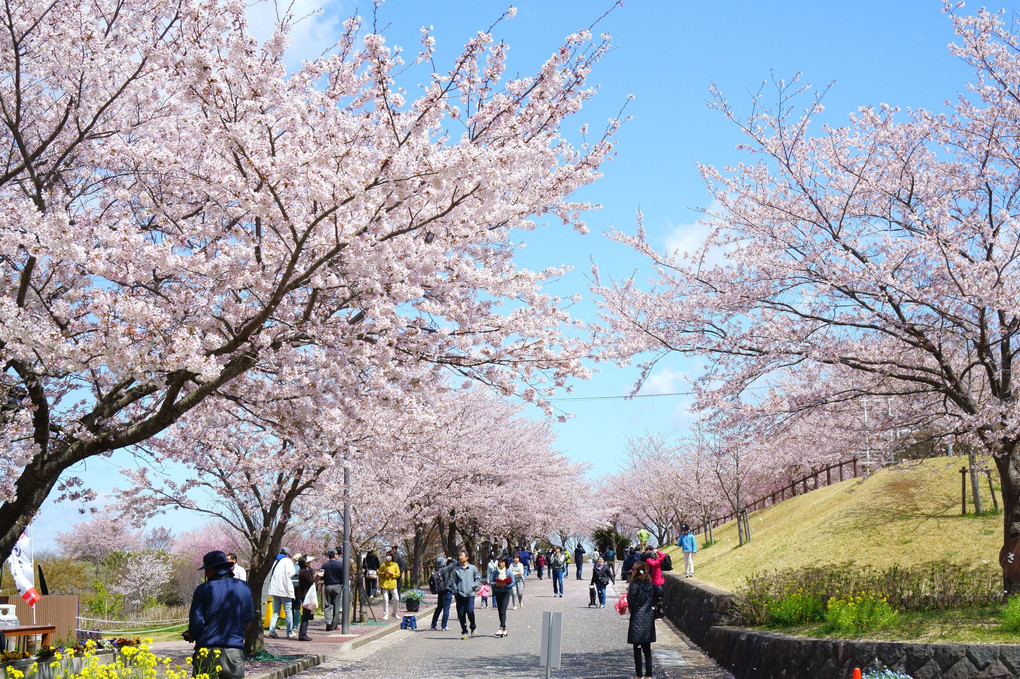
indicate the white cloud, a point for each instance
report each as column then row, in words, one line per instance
column 665, row 381
column 691, row 236
column 317, row 24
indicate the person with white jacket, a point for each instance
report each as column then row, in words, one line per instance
column 281, row 588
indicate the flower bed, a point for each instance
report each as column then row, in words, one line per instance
column 116, row 659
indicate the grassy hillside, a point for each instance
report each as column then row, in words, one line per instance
column 906, row 515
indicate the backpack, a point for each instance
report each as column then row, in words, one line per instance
column 667, row 563
column 437, row 583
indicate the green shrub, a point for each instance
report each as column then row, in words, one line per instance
column 796, row 608
column 1011, row 615
column 933, row 586
column 852, row 615
column 102, row 603
column 751, row 602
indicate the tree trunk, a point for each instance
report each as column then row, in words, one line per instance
column 258, row 571
column 975, row 487
column 1009, row 477
column 265, row 547
column 451, row 534
column 418, row 555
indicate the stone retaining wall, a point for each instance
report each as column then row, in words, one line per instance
column 705, row 614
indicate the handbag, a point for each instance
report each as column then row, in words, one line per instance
column 621, row 605
column 372, row 575
column 311, row 601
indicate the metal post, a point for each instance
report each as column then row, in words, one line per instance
column 345, row 625
column 963, row 491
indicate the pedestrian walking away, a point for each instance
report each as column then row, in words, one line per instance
column 220, row 608
column 540, row 564
column 688, row 544
column 304, row 591
column 557, row 568
column 464, row 581
column 502, row 582
column 653, row 561
column 641, row 626
column 628, row 563
column 389, row 575
column 611, row 561
column 332, row 590
column 526, row 560
column 438, row 586
column 579, row 558
column 281, row 589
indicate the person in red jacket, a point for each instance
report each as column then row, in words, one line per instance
column 653, row 559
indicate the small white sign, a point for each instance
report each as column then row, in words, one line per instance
column 552, row 630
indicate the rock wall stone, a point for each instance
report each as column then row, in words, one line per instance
column 705, row 615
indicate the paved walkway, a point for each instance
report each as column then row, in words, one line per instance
column 594, row 646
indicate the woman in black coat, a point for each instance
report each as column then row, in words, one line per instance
column 641, row 630
column 306, row 581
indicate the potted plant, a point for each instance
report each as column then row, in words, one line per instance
column 413, row 599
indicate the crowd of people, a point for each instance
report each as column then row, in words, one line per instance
column 292, row 589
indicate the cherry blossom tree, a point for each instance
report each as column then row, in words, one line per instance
column 93, row 539
column 697, row 482
column 145, row 573
column 251, row 461
column 451, row 462
column 887, row 246
column 647, row 488
column 178, row 210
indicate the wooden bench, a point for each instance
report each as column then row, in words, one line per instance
column 21, row 631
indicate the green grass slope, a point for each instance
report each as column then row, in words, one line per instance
column 906, row 515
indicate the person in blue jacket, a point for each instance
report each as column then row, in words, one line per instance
column 220, row 609
column 688, row 544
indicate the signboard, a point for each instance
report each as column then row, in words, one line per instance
column 1009, row 559
column 552, row 629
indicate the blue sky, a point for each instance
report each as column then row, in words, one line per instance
column 667, row 54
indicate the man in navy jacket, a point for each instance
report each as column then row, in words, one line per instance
column 220, row 608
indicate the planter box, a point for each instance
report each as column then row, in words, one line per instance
column 23, row 666
column 412, row 605
column 67, row 667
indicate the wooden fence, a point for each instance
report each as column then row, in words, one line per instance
column 805, row 484
column 60, row 610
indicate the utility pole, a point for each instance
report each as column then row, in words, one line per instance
column 345, row 625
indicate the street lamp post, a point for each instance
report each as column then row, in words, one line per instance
column 345, row 625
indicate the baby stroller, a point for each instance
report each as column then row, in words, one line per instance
column 592, row 594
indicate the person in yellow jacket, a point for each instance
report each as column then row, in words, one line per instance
column 389, row 573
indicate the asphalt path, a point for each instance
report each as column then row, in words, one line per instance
column 594, row 642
